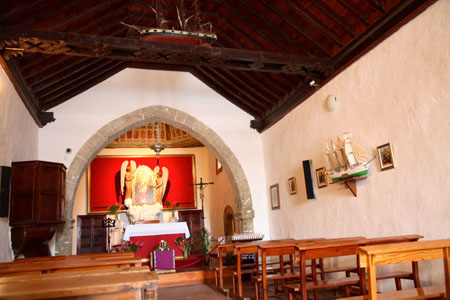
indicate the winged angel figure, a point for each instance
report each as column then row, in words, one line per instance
column 144, row 189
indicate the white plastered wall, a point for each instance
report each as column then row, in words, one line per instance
column 399, row 93
column 78, row 119
column 18, row 142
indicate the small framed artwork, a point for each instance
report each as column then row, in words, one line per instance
column 386, row 156
column 321, row 176
column 275, row 196
column 292, row 186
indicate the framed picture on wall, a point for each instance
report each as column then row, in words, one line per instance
column 292, row 186
column 321, row 176
column 386, row 157
column 275, row 196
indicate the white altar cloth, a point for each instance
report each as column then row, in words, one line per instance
column 155, row 229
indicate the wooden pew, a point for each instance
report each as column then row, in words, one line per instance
column 398, row 275
column 320, row 250
column 288, row 248
column 125, row 283
column 222, row 249
column 127, row 254
column 377, row 255
column 68, row 263
column 252, row 248
column 221, row 271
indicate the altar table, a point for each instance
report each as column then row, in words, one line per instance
column 151, row 234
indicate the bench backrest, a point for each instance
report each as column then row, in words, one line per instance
column 126, row 284
column 376, row 255
column 67, row 264
column 403, row 252
column 128, row 254
column 393, row 239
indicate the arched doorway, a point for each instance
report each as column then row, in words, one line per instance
column 137, row 118
column 229, row 225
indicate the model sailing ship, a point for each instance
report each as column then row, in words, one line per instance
column 347, row 158
column 184, row 30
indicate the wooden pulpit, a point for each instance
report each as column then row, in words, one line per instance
column 37, row 205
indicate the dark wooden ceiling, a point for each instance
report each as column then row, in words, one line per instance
column 269, row 56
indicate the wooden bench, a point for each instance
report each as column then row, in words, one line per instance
column 376, row 255
column 321, row 250
column 125, row 254
column 125, row 283
column 68, row 263
column 398, row 275
column 274, row 271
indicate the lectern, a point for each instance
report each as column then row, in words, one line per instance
column 37, row 205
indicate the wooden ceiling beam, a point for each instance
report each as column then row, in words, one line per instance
column 38, row 65
column 40, row 20
column 40, row 117
column 274, row 78
column 272, row 82
column 311, row 19
column 160, row 67
column 237, row 91
column 58, row 77
column 243, row 89
column 257, row 30
column 355, row 11
column 264, row 84
column 334, row 17
column 282, row 34
column 252, row 88
column 40, row 80
column 72, row 80
column 378, row 5
column 300, row 95
column 87, row 84
column 147, row 51
column 18, row 9
column 97, row 13
column 223, row 91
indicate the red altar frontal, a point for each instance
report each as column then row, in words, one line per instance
column 149, row 235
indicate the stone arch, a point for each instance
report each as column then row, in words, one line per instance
column 191, row 125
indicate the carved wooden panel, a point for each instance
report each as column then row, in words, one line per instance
column 91, row 236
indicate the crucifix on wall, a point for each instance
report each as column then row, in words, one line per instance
column 202, row 185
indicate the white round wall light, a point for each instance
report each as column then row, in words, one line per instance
column 332, row 102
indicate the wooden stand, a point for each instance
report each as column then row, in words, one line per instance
column 351, row 184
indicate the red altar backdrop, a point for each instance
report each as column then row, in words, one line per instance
column 104, row 180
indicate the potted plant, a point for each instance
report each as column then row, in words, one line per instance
column 206, row 244
column 173, row 208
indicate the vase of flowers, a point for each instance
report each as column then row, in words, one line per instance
column 128, row 246
column 172, row 208
column 113, row 209
column 185, row 245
